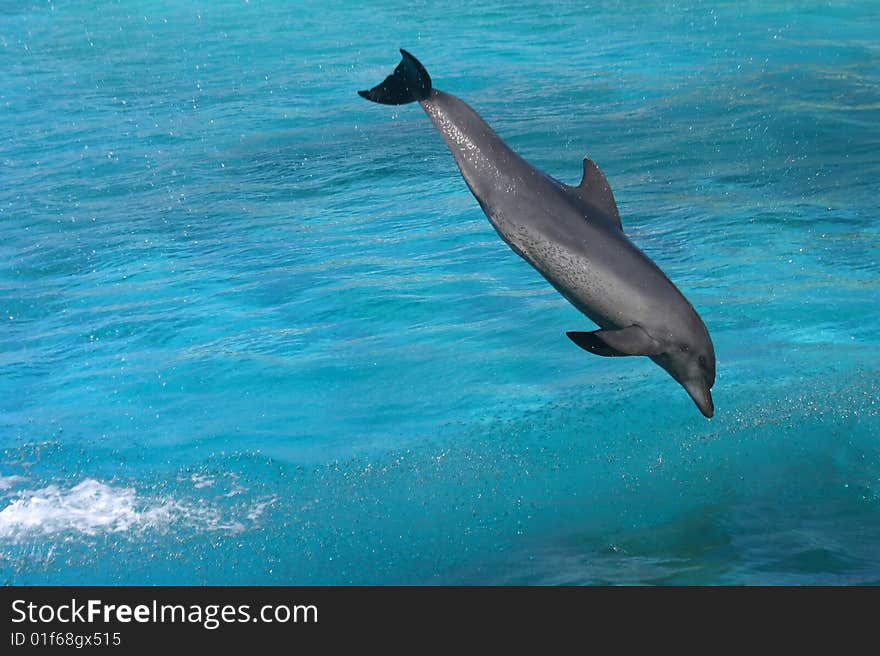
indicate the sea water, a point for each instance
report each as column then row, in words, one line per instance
column 255, row 330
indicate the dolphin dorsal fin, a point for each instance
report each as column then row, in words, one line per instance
column 595, row 191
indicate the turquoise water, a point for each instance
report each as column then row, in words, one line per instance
column 254, row 329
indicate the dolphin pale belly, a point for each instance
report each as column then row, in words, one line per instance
column 572, row 236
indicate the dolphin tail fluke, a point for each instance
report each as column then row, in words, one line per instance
column 408, row 83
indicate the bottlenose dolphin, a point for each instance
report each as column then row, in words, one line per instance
column 572, row 236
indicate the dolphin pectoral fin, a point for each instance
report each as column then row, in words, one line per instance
column 595, row 191
column 632, row 340
column 589, row 342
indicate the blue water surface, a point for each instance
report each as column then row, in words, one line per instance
column 255, row 330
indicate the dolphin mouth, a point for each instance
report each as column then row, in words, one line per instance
column 702, row 396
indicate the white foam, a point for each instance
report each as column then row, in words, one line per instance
column 200, row 481
column 258, row 508
column 92, row 507
column 9, row 482
column 89, row 507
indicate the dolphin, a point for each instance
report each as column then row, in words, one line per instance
column 572, row 236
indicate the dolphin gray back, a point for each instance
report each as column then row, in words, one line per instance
column 487, row 164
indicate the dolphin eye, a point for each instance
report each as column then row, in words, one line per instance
column 702, row 361
column 684, row 348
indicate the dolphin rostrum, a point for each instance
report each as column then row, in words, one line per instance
column 572, row 236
